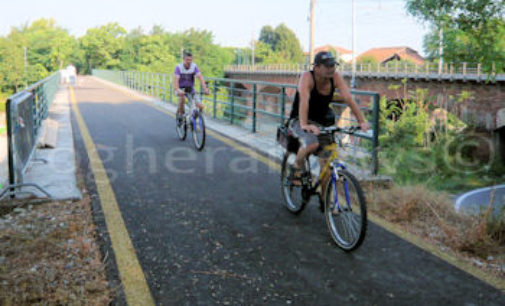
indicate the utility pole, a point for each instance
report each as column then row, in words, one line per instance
column 353, row 78
column 26, row 65
column 441, row 49
column 311, row 40
column 25, row 61
column 252, row 49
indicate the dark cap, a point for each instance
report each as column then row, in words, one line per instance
column 325, row 58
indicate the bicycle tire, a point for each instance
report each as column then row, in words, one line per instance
column 181, row 129
column 336, row 221
column 293, row 205
column 200, row 126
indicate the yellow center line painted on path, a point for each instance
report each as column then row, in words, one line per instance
column 132, row 277
column 492, row 280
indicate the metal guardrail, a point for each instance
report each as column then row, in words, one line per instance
column 25, row 112
column 395, row 69
column 258, row 106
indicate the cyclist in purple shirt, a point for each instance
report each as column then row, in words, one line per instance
column 185, row 80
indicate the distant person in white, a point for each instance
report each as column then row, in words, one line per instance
column 71, row 73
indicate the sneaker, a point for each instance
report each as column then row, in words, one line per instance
column 179, row 118
column 296, row 176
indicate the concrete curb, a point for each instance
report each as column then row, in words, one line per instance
column 54, row 169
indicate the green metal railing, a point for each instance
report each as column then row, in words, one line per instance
column 463, row 71
column 25, row 112
column 258, row 106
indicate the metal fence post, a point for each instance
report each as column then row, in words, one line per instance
column 170, row 91
column 214, row 100
column 152, row 84
column 142, row 84
column 254, row 108
column 283, row 103
column 375, row 140
column 164, row 88
column 232, row 104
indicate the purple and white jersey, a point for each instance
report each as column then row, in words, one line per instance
column 186, row 76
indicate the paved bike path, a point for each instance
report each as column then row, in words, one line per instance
column 209, row 227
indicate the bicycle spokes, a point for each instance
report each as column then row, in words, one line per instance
column 346, row 211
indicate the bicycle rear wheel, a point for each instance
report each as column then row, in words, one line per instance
column 347, row 222
column 198, row 125
column 180, row 127
column 295, row 197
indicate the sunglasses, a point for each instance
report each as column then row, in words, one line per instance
column 330, row 65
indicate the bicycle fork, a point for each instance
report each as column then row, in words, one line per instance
column 335, row 176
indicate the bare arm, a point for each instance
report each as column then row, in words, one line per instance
column 202, row 83
column 176, row 83
column 346, row 95
column 304, row 88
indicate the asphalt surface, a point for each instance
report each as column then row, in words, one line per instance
column 210, row 228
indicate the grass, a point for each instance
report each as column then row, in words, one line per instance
column 50, row 256
column 431, row 215
column 439, row 169
column 3, row 100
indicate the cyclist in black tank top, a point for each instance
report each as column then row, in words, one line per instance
column 319, row 104
column 311, row 105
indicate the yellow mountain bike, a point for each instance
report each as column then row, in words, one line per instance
column 339, row 192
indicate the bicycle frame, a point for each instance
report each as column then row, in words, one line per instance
column 332, row 164
column 191, row 97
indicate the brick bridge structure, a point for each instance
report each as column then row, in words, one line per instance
column 484, row 108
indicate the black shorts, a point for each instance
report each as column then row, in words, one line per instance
column 306, row 138
column 188, row 90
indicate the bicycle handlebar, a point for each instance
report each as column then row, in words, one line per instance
column 335, row 129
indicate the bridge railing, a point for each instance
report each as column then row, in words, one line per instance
column 470, row 71
column 25, row 113
column 259, row 106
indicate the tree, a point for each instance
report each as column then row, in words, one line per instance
column 473, row 30
column 364, row 60
column 288, row 44
column 283, row 42
column 102, row 46
column 269, row 36
column 48, row 44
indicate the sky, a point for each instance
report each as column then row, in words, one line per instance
column 379, row 23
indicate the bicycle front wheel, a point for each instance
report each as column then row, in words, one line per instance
column 345, row 211
column 180, row 127
column 199, row 131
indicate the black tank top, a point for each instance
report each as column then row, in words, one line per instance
column 319, row 105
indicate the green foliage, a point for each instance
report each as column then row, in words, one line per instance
column 283, row 43
column 161, row 51
column 474, row 31
column 48, row 48
column 367, row 60
column 102, row 46
column 264, row 54
column 419, row 147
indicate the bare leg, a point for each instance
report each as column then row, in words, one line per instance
column 303, row 152
column 180, row 108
